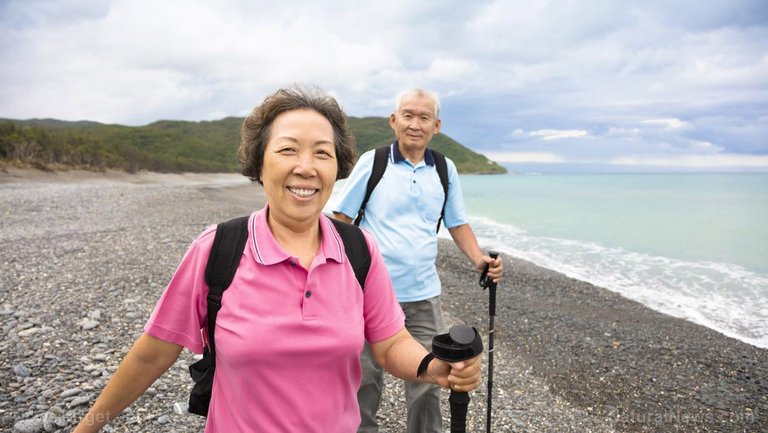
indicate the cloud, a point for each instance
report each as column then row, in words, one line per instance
column 696, row 161
column 591, row 80
column 539, row 157
column 554, row 134
column 669, row 122
column 451, row 69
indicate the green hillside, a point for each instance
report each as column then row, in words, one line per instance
column 174, row 146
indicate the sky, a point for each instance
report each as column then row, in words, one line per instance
column 605, row 84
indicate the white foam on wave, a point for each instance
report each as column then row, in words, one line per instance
column 725, row 297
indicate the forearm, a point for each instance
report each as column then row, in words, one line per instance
column 403, row 357
column 465, row 239
column 140, row 368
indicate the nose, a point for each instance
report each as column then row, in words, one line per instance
column 305, row 165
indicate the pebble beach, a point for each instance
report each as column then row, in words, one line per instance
column 85, row 256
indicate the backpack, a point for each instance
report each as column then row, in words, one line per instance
column 226, row 251
column 380, row 166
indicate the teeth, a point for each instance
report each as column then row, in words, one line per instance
column 302, row 192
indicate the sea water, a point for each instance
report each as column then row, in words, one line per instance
column 694, row 246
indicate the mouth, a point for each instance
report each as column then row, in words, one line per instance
column 303, row 192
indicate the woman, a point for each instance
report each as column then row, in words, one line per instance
column 293, row 321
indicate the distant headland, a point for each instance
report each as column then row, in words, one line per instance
column 171, row 146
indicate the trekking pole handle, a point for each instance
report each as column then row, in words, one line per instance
column 487, row 282
column 460, row 343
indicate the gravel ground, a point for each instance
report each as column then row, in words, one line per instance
column 84, row 262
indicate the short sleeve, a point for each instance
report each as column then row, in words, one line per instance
column 350, row 197
column 381, row 310
column 180, row 313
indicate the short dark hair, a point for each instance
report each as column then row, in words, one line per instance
column 258, row 125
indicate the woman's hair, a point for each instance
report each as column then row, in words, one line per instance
column 258, row 125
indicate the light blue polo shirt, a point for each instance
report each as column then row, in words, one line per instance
column 402, row 214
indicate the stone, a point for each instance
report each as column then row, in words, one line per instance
column 89, row 324
column 34, row 425
column 79, row 401
column 22, row 370
column 49, row 421
column 70, row 392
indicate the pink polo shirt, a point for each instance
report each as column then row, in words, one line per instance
column 288, row 340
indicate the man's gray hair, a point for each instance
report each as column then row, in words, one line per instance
column 421, row 93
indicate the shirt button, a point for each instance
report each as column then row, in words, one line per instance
column 414, row 181
column 293, row 263
column 308, row 294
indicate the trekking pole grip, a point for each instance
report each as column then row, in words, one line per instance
column 487, row 282
column 460, row 343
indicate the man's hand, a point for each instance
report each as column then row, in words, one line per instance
column 467, row 242
column 495, row 267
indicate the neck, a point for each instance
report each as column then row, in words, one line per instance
column 300, row 241
column 413, row 155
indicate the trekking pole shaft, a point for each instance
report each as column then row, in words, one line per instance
column 459, row 404
column 490, row 376
column 491, row 332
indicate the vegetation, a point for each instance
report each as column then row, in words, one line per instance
column 174, row 146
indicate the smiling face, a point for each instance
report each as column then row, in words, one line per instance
column 299, row 168
column 415, row 123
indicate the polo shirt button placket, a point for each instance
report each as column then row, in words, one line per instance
column 308, row 309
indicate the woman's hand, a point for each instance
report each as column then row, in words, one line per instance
column 458, row 376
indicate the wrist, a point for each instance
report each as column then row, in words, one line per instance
column 424, row 365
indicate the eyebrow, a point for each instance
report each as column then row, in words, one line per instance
column 294, row 140
column 409, row 111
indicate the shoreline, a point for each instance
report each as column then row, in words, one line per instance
column 569, row 356
column 616, row 358
column 11, row 174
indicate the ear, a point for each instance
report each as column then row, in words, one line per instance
column 438, row 123
column 392, row 121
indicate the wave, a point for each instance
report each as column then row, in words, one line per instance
column 722, row 296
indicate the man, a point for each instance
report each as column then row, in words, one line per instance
column 403, row 213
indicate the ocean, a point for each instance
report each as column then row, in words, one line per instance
column 693, row 246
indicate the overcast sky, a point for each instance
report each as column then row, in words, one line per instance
column 665, row 83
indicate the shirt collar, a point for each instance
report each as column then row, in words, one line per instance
column 268, row 251
column 396, row 156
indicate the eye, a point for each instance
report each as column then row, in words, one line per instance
column 286, row 150
column 324, row 153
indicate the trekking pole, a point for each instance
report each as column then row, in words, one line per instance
column 486, row 282
column 460, row 343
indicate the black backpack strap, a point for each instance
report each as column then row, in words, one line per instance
column 226, row 251
column 356, row 249
column 442, row 172
column 379, row 167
